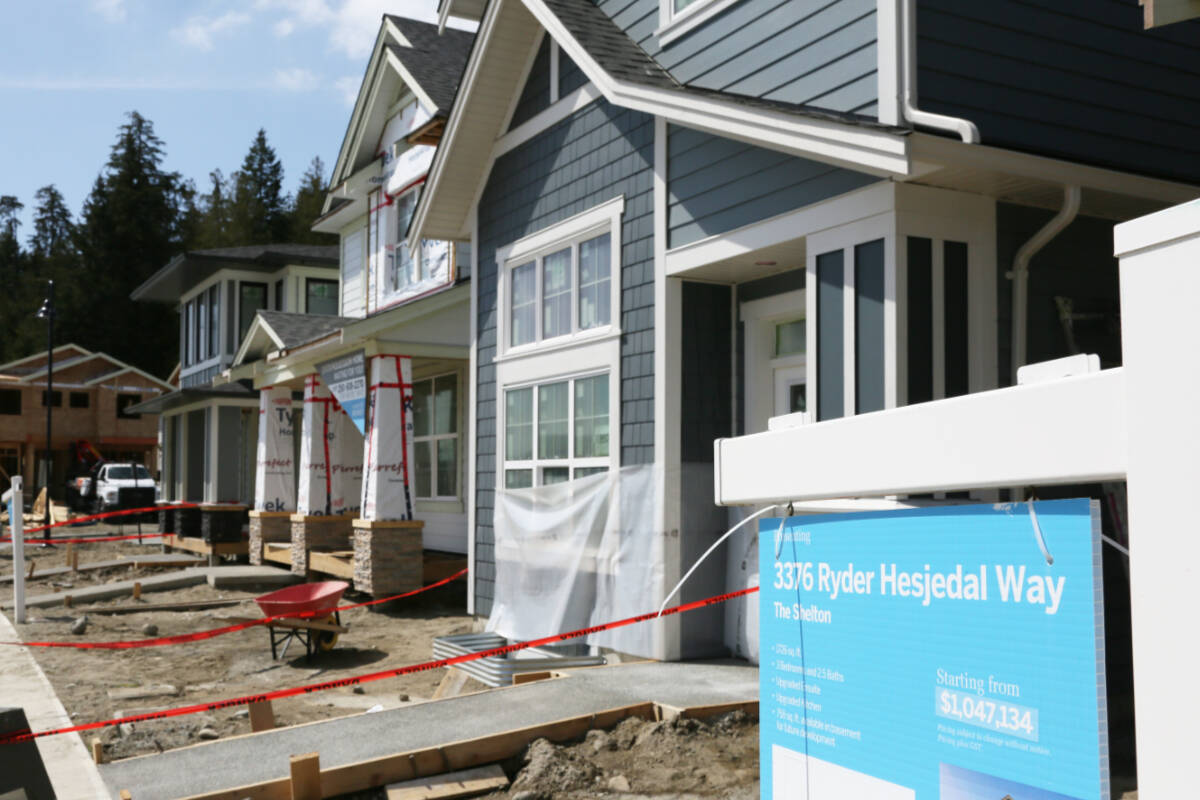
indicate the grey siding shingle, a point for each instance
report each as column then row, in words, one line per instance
column 594, row 155
column 820, row 54
column 1077, row 79
column 535, row 97
column 715, row 185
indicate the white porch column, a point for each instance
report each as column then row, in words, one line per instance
column 388, row 454
column 1160, row 286
column 274, row 478
column 320, row 433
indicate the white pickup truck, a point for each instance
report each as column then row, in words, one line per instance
column 111, row 479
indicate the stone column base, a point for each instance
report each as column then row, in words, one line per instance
column 268, row 526
column 388, row 556
column 318, row 533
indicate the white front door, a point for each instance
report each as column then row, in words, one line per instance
column 790, row 390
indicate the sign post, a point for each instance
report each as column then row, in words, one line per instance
column 16, row 529
column 948, row 653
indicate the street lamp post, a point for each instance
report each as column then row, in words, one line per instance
column 46, row 312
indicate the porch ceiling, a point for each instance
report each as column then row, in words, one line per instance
column 753, row 264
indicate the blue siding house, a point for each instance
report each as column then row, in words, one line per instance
column 814, row 209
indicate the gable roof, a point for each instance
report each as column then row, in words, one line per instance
column 24, row 374
column 435, row 61
column 284, row 330
column 625, row 75
column 195, row 266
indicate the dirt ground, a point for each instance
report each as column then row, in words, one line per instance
column 227, row 666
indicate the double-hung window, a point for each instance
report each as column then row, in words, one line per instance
column 556, row 431
column 401, row 263
column 435, row 437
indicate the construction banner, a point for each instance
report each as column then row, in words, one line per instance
column 346, row 377
column 387, row 480
column 274, row 475
column 347, row 455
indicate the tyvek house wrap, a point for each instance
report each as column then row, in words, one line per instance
column 389, row 450
column 274, row 480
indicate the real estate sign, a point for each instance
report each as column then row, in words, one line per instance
column 934, row 654
column 346, row 377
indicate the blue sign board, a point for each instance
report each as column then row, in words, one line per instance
column 934, row 654
column 346, row 377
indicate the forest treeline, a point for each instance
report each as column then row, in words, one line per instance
column 135, row 219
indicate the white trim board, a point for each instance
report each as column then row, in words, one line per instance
column 672, row 25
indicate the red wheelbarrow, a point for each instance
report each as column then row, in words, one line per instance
column 318, row 630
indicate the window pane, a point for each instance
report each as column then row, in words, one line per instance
column 424, row 470
column 680, row 5
column 518, row 425
column 524, row 296
column 422, row 408
column 202, row 322
column 214, row 320
column 594, row 288
column 322, row 297
column 518, row 478
column 583, row 472
column 556, row 294
column 552, row 420
column 591, row 417
column 445, row 400
column 447, row 467
column 790, row 338
column 555, row 475
column 253, row 297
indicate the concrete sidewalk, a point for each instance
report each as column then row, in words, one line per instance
column 220, row 765
column 23, row 684
column 225, row 577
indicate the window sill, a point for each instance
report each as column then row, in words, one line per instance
column 558, row 344
column 441, row 505
column 690, row 19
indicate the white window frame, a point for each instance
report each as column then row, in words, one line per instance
column 759, row 318
column 398, row 245
column 571, row 462
column 436, row 437
column 672, row 24
column 601, row 219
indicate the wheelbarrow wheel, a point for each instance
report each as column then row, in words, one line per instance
column 326, row 640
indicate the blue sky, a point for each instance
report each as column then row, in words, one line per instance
column 207, row 73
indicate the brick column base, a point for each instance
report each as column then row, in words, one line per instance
column 388, row 556
column 268, row 526
column 318, row 533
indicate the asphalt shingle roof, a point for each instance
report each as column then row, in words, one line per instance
column 271, row 253
column 435, row 60
column 297, row 329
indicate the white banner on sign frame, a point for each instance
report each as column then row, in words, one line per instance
column 389, row 452
column 274, row 475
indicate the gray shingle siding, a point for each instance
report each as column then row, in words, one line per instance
column 1078, row 79
column 715, row 185
column 535, row 97
column 594, row 155
column 819, row 54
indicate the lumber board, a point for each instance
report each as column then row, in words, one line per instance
column 330, row 564
column 708, row 711
column 306, row 777
column 450, row 786
column 194, row 605
column 201, row 547
column 459, row 755
column 280, row 554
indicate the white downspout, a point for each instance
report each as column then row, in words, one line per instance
column 1020, row 273
column 908, row 77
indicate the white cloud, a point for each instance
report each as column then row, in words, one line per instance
column 296, row 79
column 198, row 32
column 348, row 88
column 352, row 24
column 111, row 10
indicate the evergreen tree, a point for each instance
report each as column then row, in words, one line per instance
column 131, row 226
column 53, row 229
column 214, row 228
column 12, row 296
column 10, row 248
column 259, row 209
column 310, row 199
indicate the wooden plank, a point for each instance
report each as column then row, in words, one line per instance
column 530, row 677
column 281, row 554
column 262, row 716
column 708, row 711
column 305, row 777
column 97, row 750
column 452, row 785
column 203, row 548
column 436, row 760
column 330, row 564
column 138, row 608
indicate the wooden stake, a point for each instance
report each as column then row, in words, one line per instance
column 29, row 574
column 67, row 601
column 137, row 590
column 262, row 717
column 125, row 795
column 98, row 750
column 72, row 557
column 306, row 777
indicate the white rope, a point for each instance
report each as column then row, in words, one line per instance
column 1116, row 544
column 708, row 552
column 1037, row 532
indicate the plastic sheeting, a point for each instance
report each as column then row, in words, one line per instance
column 581, row 553
column 315, row 489
column 347, row 457
column 274, row 477
column 386, row 480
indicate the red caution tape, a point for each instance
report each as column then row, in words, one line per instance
column 199, row 636
column 279, row 694
column 105, row 515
